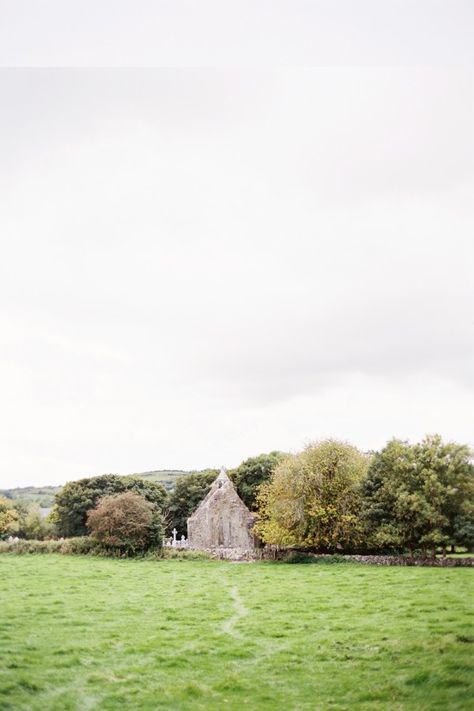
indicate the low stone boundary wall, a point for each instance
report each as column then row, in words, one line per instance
column 280, row 554
column 407, row 561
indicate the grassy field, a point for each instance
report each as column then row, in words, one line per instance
column 81, row 633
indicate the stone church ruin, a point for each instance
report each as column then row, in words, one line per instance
column 221, row 520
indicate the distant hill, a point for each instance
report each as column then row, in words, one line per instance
column 44, row 495
column 167, row 477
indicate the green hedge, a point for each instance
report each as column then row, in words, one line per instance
column 86, row 545
column 183, row 554
column 83, row 545
column 300, row 557
column 26, row 546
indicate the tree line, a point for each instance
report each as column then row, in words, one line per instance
column 407, row 497
column 330, row 497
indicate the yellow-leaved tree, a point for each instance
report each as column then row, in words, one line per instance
column 8, row 518
column 313, row 498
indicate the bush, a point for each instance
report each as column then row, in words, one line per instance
column 82, row 545
column 126, row 522
column 183, row 554
column 299, row 557
column 76, row 498
column 86, row 545
column 24, row 546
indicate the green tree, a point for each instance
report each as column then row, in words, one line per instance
column 380, row 494
column 35, row 526
column 76, row 498
column 313, row 498
column 8, row 518
column 252, row 473
column 186, row 496
column 22, row 507
column 463, row 534
column 419, row 496
column 127, row 522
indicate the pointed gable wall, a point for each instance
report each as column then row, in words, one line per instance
column 221, row 519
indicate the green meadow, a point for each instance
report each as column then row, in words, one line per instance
column 83, row 633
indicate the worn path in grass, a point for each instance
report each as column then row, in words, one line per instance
column 239, row 610
column 80, row 633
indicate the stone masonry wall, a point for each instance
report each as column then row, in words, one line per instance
column 221, row 520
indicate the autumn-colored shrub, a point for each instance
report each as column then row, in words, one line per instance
column 76, row 498
column 127, row 522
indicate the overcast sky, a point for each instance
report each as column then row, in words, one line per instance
column 199, row 265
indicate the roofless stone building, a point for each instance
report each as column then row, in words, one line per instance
column 221, row 519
